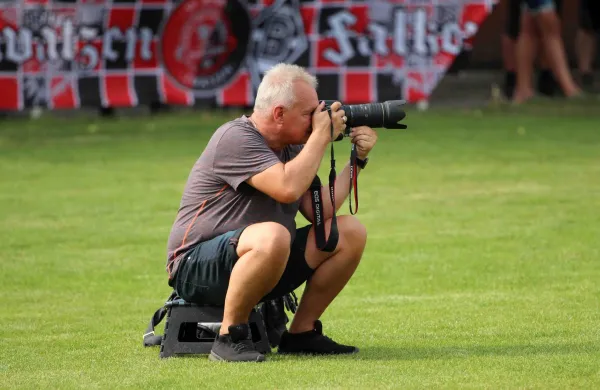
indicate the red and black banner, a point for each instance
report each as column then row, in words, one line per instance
column 64, row 54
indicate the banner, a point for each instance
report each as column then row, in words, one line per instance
column 65, row 54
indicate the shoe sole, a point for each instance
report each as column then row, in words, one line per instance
column 216, row 358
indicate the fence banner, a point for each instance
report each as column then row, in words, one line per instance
column 64, row 54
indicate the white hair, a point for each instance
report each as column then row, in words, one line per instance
column 277, row 86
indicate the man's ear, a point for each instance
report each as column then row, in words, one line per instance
column 278, row 114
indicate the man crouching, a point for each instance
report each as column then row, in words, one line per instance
column 234, row 241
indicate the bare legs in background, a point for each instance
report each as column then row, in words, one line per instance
column 544, row 24
column 586, row 49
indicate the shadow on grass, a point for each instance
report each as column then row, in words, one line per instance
column 432, row 353
column 439, row 353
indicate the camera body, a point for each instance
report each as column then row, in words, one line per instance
column 375, row 115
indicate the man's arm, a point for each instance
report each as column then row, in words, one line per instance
column 342, row 189
column 287, row 182
column 365, row 138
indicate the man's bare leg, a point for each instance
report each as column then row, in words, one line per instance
column 509, row 47
column 546, row 84
column 549, row 27
column 263, row 251
column 585, row 45
column 526, row 53
column 509, row 61
column 585, row 48
column 332, row 271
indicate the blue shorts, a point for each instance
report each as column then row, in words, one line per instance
column 203, row 274
column 537, row 6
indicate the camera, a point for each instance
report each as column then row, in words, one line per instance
column 386, row 115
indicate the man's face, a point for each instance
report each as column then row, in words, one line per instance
column 297, row 120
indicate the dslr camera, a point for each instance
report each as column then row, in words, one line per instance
column 375, row 115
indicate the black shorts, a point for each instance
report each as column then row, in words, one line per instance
column 203, row 274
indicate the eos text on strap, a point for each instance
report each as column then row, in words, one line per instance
column 374, row 115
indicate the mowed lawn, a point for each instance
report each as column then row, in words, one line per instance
column 482, row 268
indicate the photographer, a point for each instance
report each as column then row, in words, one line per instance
column 234, row 241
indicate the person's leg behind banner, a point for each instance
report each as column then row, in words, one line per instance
column 541, row 15
column 525, row 58
column 509, row 47
column 585, row 43
column 546, row 83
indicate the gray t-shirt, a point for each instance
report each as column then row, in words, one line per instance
column 216, row 198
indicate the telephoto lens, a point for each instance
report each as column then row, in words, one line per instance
column 387, row 115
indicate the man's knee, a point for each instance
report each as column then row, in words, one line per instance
column 270, row 239
column 354, row 232
column 275, row 241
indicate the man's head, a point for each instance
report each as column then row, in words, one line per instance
column 284, row 103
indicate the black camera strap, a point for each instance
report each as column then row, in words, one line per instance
column 353, row 179
column 329, row 244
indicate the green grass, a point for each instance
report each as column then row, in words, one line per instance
column 481, row 269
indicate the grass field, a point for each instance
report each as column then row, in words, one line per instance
column 482, row 268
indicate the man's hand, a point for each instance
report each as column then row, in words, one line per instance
column 339, row 119
column 322, row 123
column 365, row 138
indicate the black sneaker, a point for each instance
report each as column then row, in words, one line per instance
column 235, row 346
column 312, row 342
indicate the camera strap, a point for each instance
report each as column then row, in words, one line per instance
column 329, row 244
column 353, row 179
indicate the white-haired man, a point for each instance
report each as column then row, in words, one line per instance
column 234, row 241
